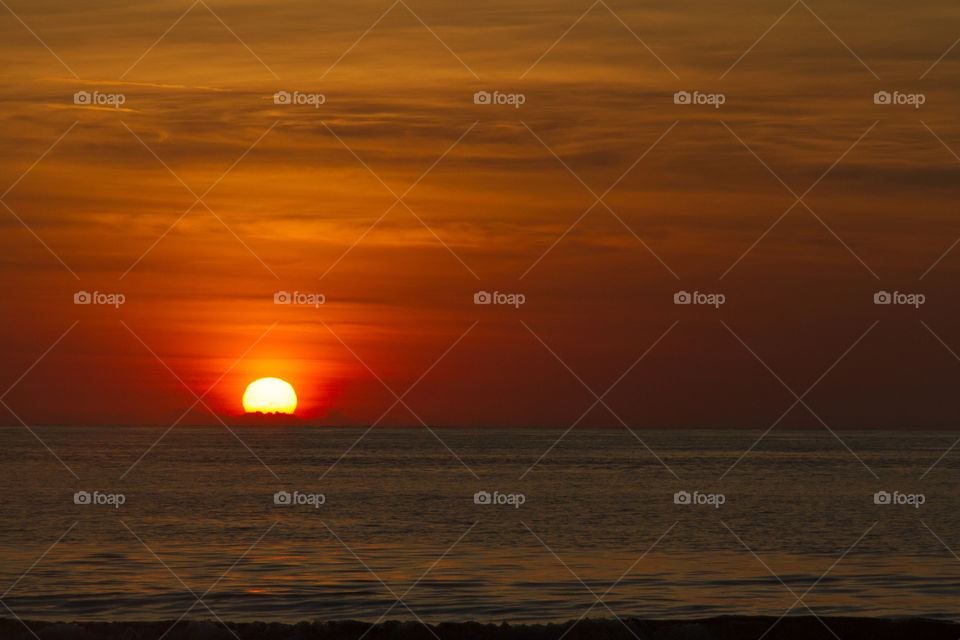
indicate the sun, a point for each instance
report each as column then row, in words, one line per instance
column 269, row 395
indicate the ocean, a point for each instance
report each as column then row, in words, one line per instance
column 300, row 523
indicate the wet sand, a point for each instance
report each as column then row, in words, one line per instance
column 720, row 628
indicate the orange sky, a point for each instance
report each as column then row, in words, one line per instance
column 294, row 192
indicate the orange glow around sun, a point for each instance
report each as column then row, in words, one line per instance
column 269, row 395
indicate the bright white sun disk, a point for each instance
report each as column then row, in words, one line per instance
column 269, row 395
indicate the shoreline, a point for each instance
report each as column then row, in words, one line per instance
column 714, row 628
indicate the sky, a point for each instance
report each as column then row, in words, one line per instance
column 399, row 198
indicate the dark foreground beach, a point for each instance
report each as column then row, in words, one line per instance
column 720, row 628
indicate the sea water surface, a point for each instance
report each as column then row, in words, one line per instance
column 792, row 527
